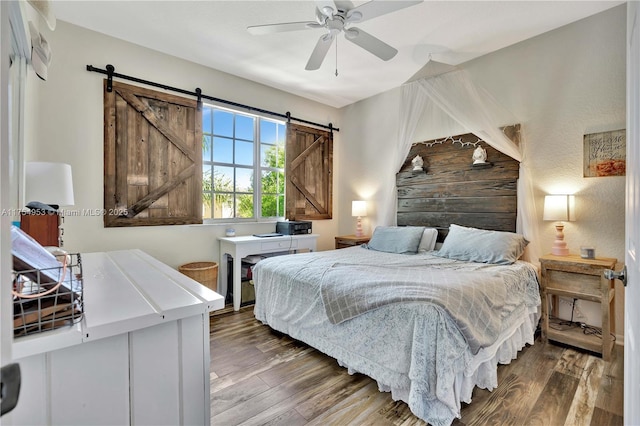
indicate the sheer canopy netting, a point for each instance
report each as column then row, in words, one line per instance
column 450, row 104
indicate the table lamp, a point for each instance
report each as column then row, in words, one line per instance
column 49, row 183
column 559, row 208
column 47, row 187
column 359, row 209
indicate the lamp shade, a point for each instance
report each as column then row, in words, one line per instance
column 358, row 208
column 559, row 208
column 49, row 183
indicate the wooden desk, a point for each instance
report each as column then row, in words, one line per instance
column 239, row 247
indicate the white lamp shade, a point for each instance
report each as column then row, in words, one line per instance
column 49, row 183
column 559, row 208
column 358, row 208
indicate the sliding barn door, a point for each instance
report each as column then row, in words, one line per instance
column 308, row 169
column 152, row 158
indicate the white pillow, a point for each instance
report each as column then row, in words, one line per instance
column 428, row 241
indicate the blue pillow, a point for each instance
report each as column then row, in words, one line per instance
column 483, row 246
column 396, row 239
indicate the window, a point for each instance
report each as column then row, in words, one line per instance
column 242, row 165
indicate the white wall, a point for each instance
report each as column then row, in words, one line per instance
column 67, row 126
column 561, row 85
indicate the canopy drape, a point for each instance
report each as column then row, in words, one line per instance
column 452, row 99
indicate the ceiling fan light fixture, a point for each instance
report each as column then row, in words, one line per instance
column 354, row 16
column 328, row 11
column 321, row 18
column 351, row 33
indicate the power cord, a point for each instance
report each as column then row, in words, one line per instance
column 561, row 325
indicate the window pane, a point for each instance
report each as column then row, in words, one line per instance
column 244, row 153
column 268, row 155
column 222, row 206
column 272, row 156
column 281, row 205
column 223, row 123
column 223, row 150
column 206, row 148
column 244, row 127
column 206, row 190
column 268, row 131
column 269, row 184
column 282, row 133
column 281, row 182
column 206, row 119
column 206, row 178
column 264, row 149
column 244, row 203
column 269, row 205
column 206, row 205
column 222, row 178
column 244, row 180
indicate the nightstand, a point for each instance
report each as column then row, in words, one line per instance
column 577, row 278
column 351, row 240
column 43, row 227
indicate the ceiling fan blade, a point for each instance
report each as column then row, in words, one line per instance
column 374, row 8
column 279, row 28
column 370, row 43
column 344, row 4
column 319, row 52
column 326, row 7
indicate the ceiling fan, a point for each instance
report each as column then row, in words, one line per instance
column 336, row 17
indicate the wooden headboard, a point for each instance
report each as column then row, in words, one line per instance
column 452, row 190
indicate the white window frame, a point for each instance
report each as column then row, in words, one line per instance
column 257, row 167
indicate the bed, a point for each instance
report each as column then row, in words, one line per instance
column 428, row 325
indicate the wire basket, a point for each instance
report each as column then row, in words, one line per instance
column 46, row 299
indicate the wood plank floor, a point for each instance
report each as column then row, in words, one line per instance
column 261, row 377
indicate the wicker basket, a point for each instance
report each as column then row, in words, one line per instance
column 206, row 273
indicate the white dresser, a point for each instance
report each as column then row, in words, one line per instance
column 139, row 356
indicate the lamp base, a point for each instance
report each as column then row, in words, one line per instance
column 560, row 251
column 559, row 245
column 359, row 232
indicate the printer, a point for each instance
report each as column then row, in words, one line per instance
column 292, row 227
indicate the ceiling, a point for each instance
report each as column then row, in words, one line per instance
column 214, row 34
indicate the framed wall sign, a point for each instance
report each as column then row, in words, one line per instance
column 605, row 154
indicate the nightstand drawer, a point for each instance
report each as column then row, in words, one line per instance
column 572, row 282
